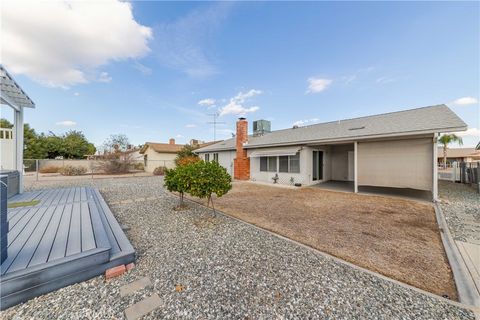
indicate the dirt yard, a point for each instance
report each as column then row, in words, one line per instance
column 395, row 237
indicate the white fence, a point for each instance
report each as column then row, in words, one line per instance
column 7, row 149
column 463, row 172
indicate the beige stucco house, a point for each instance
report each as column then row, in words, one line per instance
column 458, row 155
column 391, row 150
column 160, row 154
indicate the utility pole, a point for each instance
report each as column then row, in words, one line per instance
column 215, row 122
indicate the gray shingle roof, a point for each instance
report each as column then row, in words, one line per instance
column 422, row 120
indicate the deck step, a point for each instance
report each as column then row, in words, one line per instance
column 70, row 236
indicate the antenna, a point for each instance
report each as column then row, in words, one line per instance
column 214, row 122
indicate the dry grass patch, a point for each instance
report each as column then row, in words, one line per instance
column 395, row 237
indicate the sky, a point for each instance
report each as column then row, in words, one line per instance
column 159, row 70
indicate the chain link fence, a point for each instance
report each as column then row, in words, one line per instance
column 57, row 169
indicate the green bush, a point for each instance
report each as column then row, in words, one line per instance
column 179, row 180
column 138, row 166
column 69, row 170
column 159, row 171
column 201, row 179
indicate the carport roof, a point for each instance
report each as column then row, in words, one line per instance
column 426, row 120
column 11, row 93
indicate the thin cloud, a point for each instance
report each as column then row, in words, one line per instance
column 305, row 122
column 190, row 125
column 471, row 132
column 66, row 123
column 207, row 102
column 104, row 77
column 146, row 71
column 185, row 44
column 316, row 85
column 236, row 105
column 76, row 94
column 385, row 80
column 465, row 101
column 60, row 43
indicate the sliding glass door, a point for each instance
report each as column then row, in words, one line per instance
column 317, row 170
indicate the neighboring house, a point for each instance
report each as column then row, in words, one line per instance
column 458, row 155
column 160, row 154
column 397, row 150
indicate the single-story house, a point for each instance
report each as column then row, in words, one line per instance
column 392, row 150
column 160, row 154
column 163, row 154
column 458, row 155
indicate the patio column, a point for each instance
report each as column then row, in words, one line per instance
column 18, row 125
column 355, row 166
column 435, row 168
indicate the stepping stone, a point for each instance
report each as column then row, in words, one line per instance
column 143, row 307
column 134, row 286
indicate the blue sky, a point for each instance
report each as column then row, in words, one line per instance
column 155, row 70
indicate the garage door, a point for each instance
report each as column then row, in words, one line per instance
column 397, row 163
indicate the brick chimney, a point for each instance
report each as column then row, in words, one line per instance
column 241, row 163
column 171, row 141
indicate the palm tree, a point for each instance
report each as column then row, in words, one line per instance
column 445, row 140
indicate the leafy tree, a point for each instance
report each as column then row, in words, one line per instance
column 75, row 145
column 71, row 145
column 4, row 123
column 117, row 143
column 34, row 144
column 445, row 140
column 179, row 180
column 186, row 152
column 209, row 178
column 186, row 160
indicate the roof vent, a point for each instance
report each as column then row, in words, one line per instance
column 295, row 126
column 357, row 128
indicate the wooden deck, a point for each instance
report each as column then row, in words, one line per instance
column 69, row 236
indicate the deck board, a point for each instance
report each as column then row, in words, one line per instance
column 59, row 246
column 46, row 243
column 74, row 244
column 30, row 247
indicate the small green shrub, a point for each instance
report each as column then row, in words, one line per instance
column 69, row 170
column 159, row 171
column 50, row 169
column 138, row 166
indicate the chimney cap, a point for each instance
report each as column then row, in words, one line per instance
column 242, row 118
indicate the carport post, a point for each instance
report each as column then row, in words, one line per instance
column 18, row 125
column 435, row 169
column 355, row 173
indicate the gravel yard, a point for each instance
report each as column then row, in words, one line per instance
column 461, row 207
column 226, row 270
column 395, row 237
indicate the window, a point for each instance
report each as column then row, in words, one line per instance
column 215, row 157
column 263, row 164
column 272, row 164
column 294, row 163
column 285, row 164
column 207, row 156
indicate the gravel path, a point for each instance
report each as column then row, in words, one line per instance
column 229, row 270
column 461, row 207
